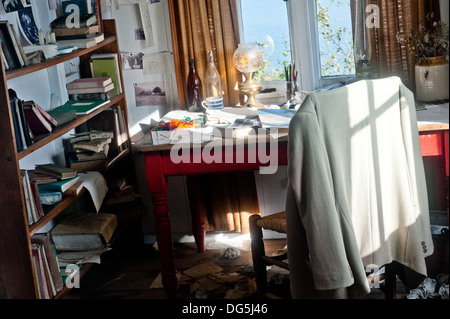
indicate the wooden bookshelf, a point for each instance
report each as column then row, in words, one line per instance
column 17, row 271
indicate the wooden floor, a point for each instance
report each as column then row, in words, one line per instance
column 128, row 272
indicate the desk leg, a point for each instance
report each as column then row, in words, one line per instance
column 196, row 204
column 157, row 186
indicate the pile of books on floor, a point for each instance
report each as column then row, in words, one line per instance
column 95, row 88
column 45, row 185
column 88, row 151
column 89, row 31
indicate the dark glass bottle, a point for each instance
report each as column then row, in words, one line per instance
column 194, row 89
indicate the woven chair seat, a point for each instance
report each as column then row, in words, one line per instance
column 276, row 222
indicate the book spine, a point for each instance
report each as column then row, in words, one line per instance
column 92, row 96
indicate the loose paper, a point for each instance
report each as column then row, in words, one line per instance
column 96, row 185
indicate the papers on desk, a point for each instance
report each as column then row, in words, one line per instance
column 240, row 121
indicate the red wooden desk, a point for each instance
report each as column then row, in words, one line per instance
column 434, row 142
column 434, row 138
column 159, row 166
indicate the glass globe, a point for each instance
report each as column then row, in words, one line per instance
column 247, row 58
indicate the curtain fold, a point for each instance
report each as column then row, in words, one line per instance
column 397, row 17
column 197, row 27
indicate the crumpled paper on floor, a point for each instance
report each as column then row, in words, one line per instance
column 426, row 290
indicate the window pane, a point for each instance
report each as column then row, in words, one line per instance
column 335, row 37
column 265, row 22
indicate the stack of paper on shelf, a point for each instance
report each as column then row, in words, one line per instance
column 84, row 231
column 97, row 88
column 88, row 151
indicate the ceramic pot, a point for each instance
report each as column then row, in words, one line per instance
column 432, row 79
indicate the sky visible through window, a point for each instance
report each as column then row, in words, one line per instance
column 266, row 23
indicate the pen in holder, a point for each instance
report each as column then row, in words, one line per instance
column 288, row 90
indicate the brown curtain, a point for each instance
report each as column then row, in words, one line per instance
column 197, row 27
column 397, row 17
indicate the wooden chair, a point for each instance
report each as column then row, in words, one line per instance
column 277, row 222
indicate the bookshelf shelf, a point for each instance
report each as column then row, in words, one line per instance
column 17, row 269
column 54, row 211
column 60, row 131
column 15, row 73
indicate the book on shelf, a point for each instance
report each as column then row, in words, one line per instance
column 48, row 253
column 97, row 145
column 59, row 186
column 110, row 121
column 83, row 156
column 99, row 165
column 107, row 64
column 79, row 43
column 83, row 7
column 50, row 197
column 18, row 45
column 25, row 127
column 84, row 231
column 33, row 204
column 61, row 117
column 90, row 135
column 38, row 119
column 65, row 32
column 85, row 83
column 104, row 89
column 18, row 124
column 44, row 291
column 82, row 107
column 59, row 171
column 93, row 96
column 40, row 178
column 86, row 20
column 10, row 46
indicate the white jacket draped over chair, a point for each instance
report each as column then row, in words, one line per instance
column 357, row 196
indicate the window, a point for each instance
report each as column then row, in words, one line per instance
column 335, row 38
column 265, row 22
column 322, row 61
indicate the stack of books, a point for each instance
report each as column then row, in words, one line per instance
column 88, row 151
column 95, row 88
column 68, row 33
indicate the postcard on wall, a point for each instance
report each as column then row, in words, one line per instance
column 150, row 94
column 132, row 61
column 15, row 5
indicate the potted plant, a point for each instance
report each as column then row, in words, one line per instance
column 430, row 45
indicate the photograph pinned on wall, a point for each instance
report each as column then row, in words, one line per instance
column 132, row 61
column 139, row 34
column 27, row 25
column 150, row 94
column 15, row 5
